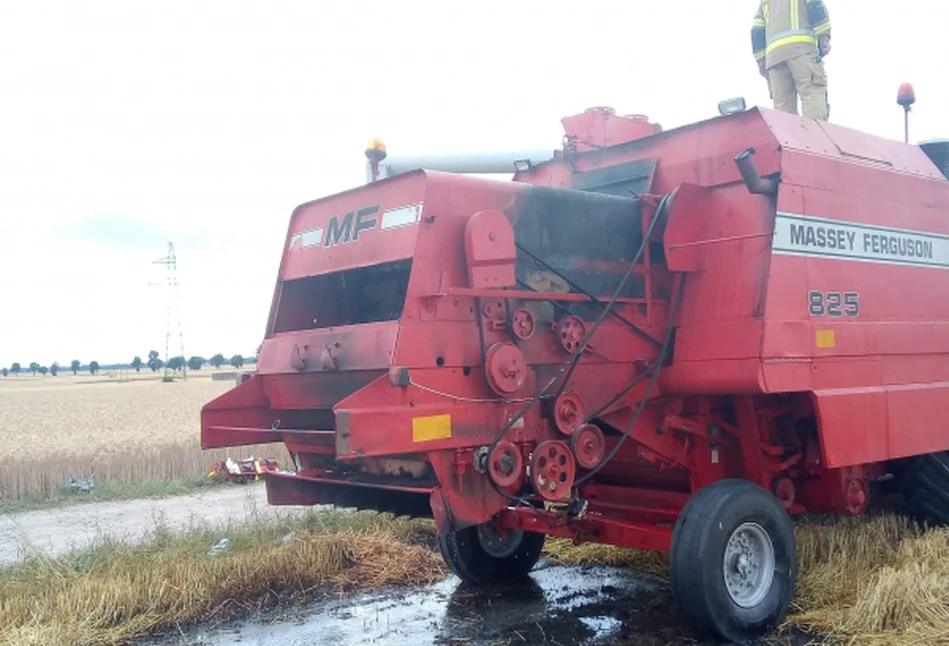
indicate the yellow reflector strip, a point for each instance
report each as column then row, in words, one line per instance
column 435, row 427
column 826, row 339
column 790, row 40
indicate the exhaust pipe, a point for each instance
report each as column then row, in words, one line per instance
column 749, row 173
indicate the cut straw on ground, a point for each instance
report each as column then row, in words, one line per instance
column 876, row 580
column 116, row 592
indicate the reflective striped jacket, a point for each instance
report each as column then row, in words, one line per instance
column 784, row 29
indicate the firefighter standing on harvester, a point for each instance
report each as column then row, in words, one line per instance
column 789, row 40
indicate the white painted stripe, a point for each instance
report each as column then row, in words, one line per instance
column 800, row 235
column 308, row 238
column 401, row 216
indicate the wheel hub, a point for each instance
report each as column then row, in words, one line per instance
column 748, row 565
column 497, row 544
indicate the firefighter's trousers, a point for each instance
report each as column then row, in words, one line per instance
column 803, row 75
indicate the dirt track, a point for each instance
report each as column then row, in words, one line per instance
column 59, row 530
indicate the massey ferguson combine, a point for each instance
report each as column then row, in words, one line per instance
column 667, row 340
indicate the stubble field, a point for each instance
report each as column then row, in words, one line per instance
column 119, row 428
column 874, row 580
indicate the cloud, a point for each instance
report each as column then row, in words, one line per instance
column 115, row 231
column 207, row 123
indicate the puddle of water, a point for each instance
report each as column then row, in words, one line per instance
column 449, row 613
column 601, row 626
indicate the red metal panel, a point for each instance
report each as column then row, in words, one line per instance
column 357, row 347
column 684, row 236
column 894, row 338
column 738, row 339
column 915, row 368
column 699, row 153
column 724, row 376
column 853, row 426
column 243, row 406
column 786, row 375
column 604, row 528
column 458, row 344
column 917, row 418
column 314, row 390
column 839, row 143
column 865, row 425
column 489, row 250
column 371, row 225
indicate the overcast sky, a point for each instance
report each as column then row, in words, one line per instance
column 127, row 124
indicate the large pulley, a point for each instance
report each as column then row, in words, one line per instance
column 553, row 470
column 506, row 368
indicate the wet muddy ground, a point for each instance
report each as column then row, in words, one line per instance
column 590, row 606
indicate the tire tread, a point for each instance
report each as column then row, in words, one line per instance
column 925, row 489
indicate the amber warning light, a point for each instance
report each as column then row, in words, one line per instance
column 906, row 97
column 375, row 153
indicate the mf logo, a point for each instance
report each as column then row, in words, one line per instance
column 338, row 230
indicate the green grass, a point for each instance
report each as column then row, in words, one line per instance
column 110, row 490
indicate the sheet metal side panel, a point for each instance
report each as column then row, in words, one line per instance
column 355, row 228
column 439, row 263
column 718, row 344
column 839, row 143
column 879, row 376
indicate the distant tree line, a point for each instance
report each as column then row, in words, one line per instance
column 154, row 364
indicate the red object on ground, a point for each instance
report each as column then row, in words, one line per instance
column 744, row 346
column 242, row 471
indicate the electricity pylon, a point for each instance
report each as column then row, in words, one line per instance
column 174, row 308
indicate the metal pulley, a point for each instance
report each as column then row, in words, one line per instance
column 571, row 331
column 589, row 446
column 505, row 464
column 523, row 323
column 505, row 368
column 568, row 412
column 553, row 470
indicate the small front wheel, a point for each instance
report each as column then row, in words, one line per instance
column 733, row 561
column 484, row 554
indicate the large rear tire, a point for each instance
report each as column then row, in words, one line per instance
column 924, row 485
column 480, row 555
column 733, row 561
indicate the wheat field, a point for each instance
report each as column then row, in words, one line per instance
column 126, row 428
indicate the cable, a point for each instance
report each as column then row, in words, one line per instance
column 620, row 394
column 571, row 360
column 574, row 357
column 593, row 299
column 652, row 382
column 470, row 400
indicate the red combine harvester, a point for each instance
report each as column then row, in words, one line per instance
column 667, row 340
